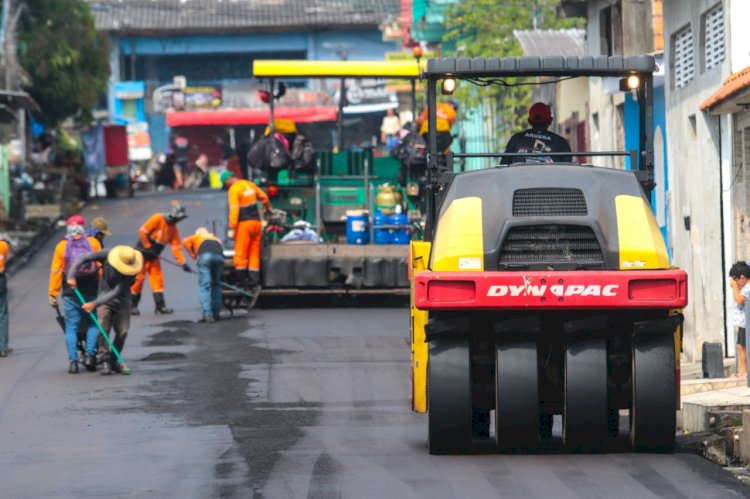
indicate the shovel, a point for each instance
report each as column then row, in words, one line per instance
column 60, row 319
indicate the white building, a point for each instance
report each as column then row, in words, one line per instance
column 721, row 41
column 705, row 43
column 705, row 208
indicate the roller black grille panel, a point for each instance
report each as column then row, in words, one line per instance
column 549, row 201
column 540, row 244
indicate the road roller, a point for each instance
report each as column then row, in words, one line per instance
column 544, row 308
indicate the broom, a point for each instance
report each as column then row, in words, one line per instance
column 124, row 368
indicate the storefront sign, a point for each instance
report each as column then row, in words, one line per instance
column 139, row 142
column 191, row 98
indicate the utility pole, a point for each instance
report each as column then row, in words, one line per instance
column 537, row 16
column 4, row 42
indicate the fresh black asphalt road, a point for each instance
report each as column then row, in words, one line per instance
column 279, row 403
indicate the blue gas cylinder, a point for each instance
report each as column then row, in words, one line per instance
column 357, row 230
column 380, row 235
column 399, row 236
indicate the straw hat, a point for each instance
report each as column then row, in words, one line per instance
column 201, row 231
column 100, row 224
column 125, row 260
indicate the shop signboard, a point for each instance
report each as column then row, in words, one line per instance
column 139, row 141
column 194, row 98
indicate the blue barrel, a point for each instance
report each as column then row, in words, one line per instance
column 357, row 231
column 399, row 236
column 380, row 236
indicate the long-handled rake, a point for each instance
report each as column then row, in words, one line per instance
column 225, row 284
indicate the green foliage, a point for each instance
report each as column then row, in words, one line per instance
column 484, row 28
column 66, row 144
column 67, row 60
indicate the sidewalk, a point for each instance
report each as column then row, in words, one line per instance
column 25, row 243
column 714, row 416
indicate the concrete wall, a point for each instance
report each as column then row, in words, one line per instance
column 737, row 12
column 635, row 15
column 693, row 151
column 605, row 133
column 572, row 96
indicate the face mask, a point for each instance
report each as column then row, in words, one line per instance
column 74, row 230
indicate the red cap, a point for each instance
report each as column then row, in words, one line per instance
column 264, row 96
column 76, row 220
column 540, row 113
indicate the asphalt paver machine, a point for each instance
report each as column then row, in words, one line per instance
column 342, row 181
column 545, row 290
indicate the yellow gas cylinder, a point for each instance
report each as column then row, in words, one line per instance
column 397, row 194
column 385, row 201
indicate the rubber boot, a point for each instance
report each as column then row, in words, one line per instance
column 253, row 285
column 136, row 299
column 242, row 277
column 253, row 279
column 161, row 307
column 106, row 369
column 90, row 363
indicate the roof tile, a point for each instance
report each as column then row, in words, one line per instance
column 732, row 85
column 238, row 15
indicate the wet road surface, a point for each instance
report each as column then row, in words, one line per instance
column 281, row 402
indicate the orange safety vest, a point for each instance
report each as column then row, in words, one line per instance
column 193, row 243
column 243, row 202
column 442, row 112
column 158, row 233
column 3, row 255
column 58, row 263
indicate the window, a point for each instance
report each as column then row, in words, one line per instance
column 713, row 38
column 693, row 126
column 684, row 67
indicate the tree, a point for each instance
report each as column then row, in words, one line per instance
column 67, row 60
column 484, row 28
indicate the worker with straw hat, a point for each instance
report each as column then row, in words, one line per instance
column 99, row 229
column 113, row 302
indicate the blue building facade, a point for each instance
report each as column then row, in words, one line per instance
column 214, row 44
column 661, row 171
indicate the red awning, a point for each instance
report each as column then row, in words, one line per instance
column 258, row 116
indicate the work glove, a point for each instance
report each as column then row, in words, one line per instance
column 230, row 233
column 72, row 282
column 149, row 253
column 186, row 267
column 52, row 301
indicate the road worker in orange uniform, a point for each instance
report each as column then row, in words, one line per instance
column 245, row 227
column 206, row 249
column 445, row 117
column 443, row 111
column 4, row 249
column 67, row 251
column 159, row 231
